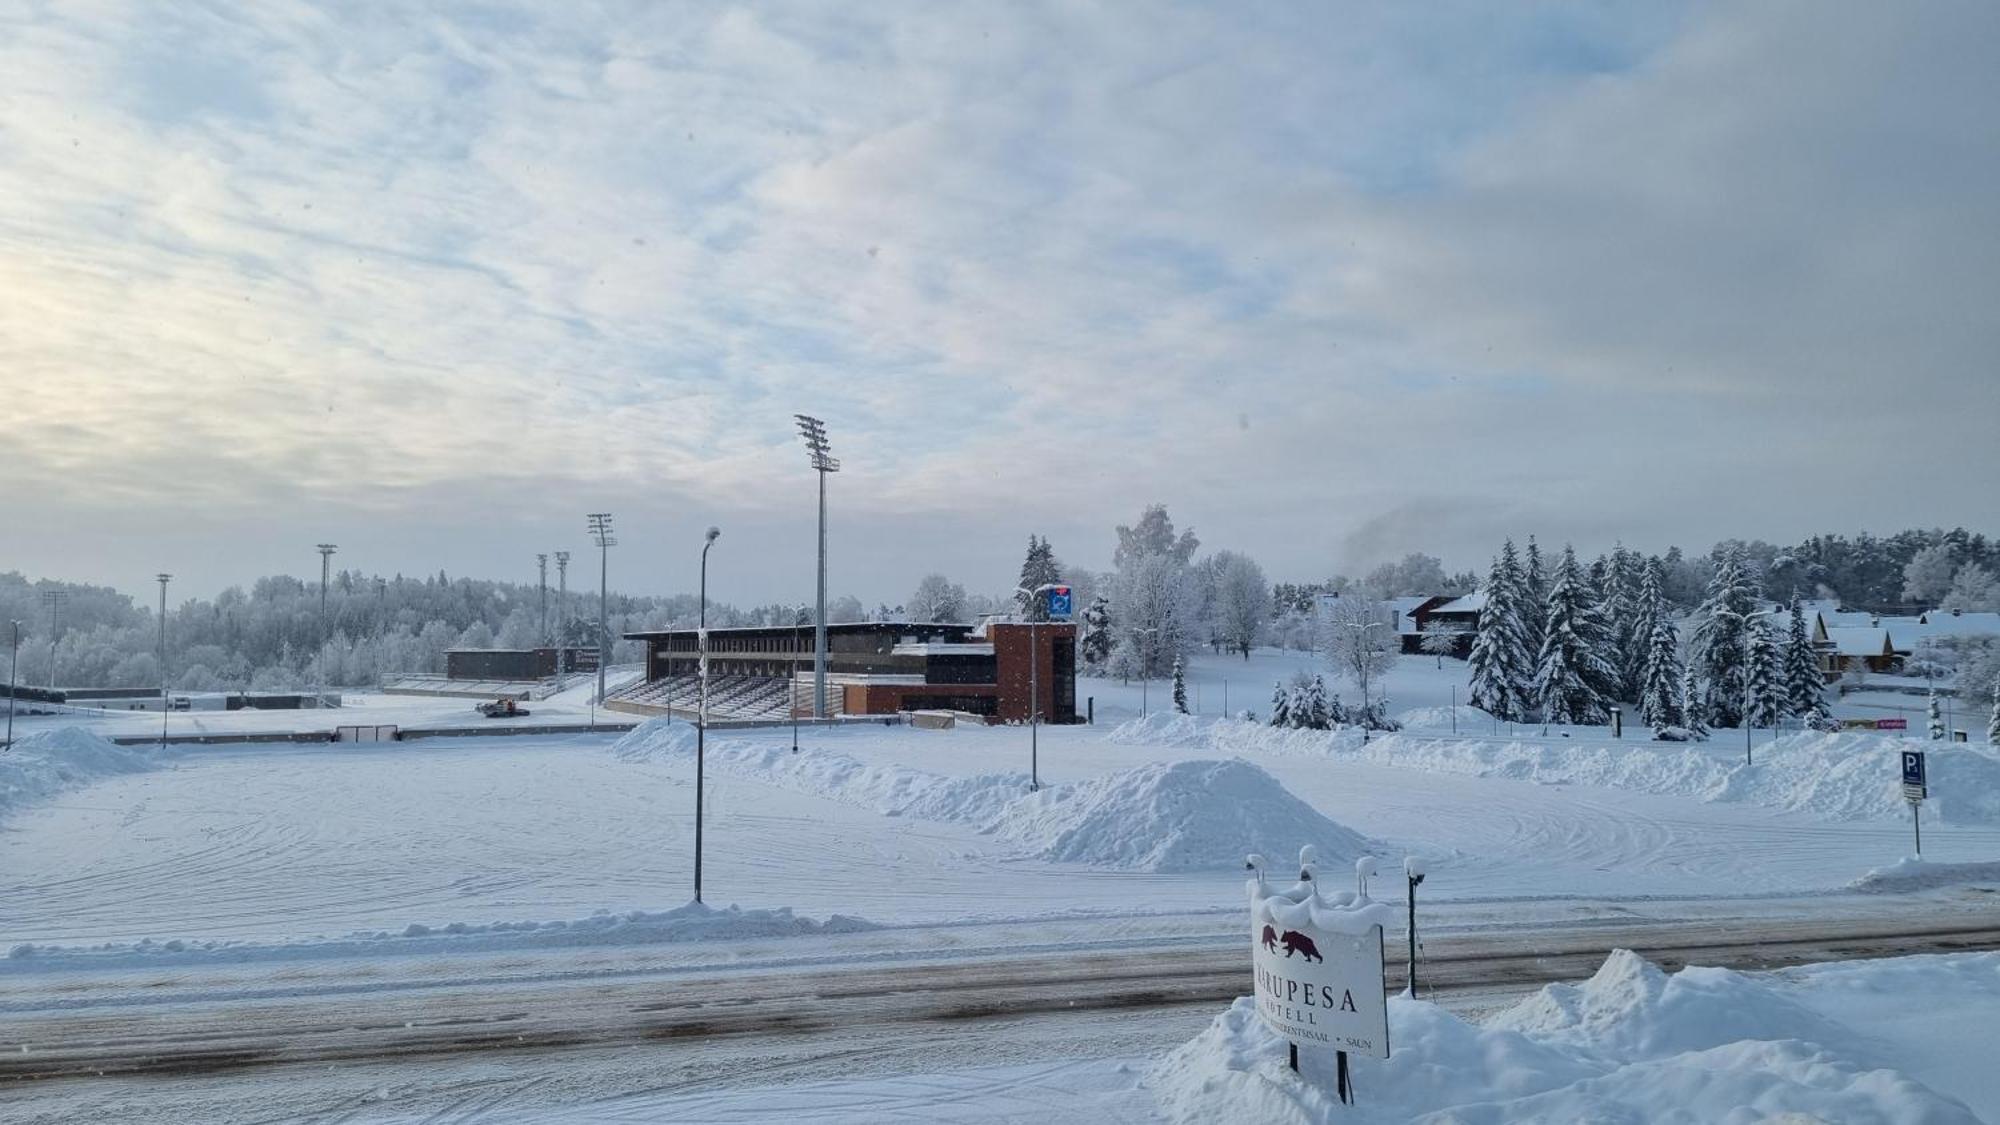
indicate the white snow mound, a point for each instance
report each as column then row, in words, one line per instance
column 49, row 762
column 1911, row 874
column 1631, row 1045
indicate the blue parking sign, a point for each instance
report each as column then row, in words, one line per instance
column 1913, row 768
column 1059, row 602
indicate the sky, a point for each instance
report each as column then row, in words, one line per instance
column 1334, row 282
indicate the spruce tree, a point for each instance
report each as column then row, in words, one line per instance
column 1721, row 634
column 1632, row 631
column 1336, row 712
column 1575, row 675
column 1180, row 686
column 1316, row 716
column 1038, row 569
column 1763, row 681
column 1993, row 724
column 1693, row 705
column 1281, row 706
column 1660, row 699
column 1499, row 659
column 1805, row 688
column 1935, row 718
column 1097, row 635
column 1534, row 601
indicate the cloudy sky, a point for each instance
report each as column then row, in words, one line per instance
column 1334, row 282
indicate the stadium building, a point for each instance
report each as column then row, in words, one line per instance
column 872, row 668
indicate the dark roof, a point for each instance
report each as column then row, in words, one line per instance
column 848, row 627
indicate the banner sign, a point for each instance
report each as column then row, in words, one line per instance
column 1318, row 962
column 1892, row 724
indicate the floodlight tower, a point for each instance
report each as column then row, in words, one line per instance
column 600, row 530
column 562, row 609
column 326, row 551
column 55, row 600
column 166, row 701
column 823, row 462
column 542, row 593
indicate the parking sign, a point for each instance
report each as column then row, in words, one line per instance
column 1915, row 787
column 1060, row 602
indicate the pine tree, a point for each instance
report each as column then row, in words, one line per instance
column 1575, row 676
column 1660, row 698
column 1316, row 716
column 1281, row 706
column 1336, row 712
column 1097, row 634
column 1693, row 704
column 1038, row 569
column 1805, row 688
column 1180, row 686
column 1720, row 636
column 1993, row 724
column 1499, row 659
column 1763, row 682
column 1624, row 599
column 1935, row 715
column 1534, row 601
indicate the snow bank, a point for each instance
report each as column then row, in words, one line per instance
column 49, row 762
column 1168, row 816
column 692, row 922
column 1629, row 1045
column 1918, row 875
column 1468, row 719
column 1838, row 776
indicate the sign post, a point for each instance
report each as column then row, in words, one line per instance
column 1915, row 789
column 1318, row 968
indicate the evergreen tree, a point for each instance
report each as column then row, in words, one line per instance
column 1993, row 724
column 1316, row 715
column 1336, row 712
column 1624, row 599
column 1037, row 570
column 1281, row 706
column 1721, row 634
column 1575, row 677
column 1693, row 704
column 1097, row 633
column 1499, row 660
column 1180, row 686
column 1763, row 680
column 1660, row 700
column 1534, row 601
column 1805, row 688
column 1935, row 716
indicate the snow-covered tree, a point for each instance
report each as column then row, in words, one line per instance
column 1693, row 704
column 1180, row 685
column 1038, row 569
column 1416, row 575
column 1359, row 640
column 1660, row 692
column 1534, row 605
column 1625, row 605
column 1574, row 681
column 1242, row 606
column 1500, row 662
column 937, row 599
column 1441, row 643
column 1934, row 718
column 1154, row 535
column 1155, row 612
column 1095, row 647
column 1281, row 705
column 1805, row 688
column 1721, row 635
column 1317, row 715
column 1993, row 724
column 1928, row 575
column 1973, row 590
column 1764, row 680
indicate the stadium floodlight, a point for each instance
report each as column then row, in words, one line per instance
column 55, row 600
column 562, row 609
column 165, row 700
column 542, row 593
column 326, row 551
column 13, row 677
column 600, row 531
column 701, row 708
column 823, row 462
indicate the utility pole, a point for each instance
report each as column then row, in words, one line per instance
column 600, row 530
column 55, row 600
column 13, row 676
column 562, row 609
column 823, row 462
column 542, row 593
column 166, row 701
column 326, row 551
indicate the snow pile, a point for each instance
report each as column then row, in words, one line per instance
column 1629, row 1045
column 1919, row 875
column 49, row 762
column 1177, row 816
column 1838, row 776
column 693, row 922
column 1467, row 718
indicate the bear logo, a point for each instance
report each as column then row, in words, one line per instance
column 1296, row 942
column 1270, row 939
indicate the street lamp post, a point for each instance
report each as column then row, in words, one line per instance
column 13, row 677
column 1146, row 672
column 600, row 530
column 56, row 600
column 1035, row 684
column 823, row 462
column 701, row 712
column 1363, row 627
column 326, row 551
column 166, row 702
column 542, row 593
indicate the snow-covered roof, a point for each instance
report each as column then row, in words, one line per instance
column 1859, row 640
column 1470, row 603
column 1906, row 633
column 1401, row 608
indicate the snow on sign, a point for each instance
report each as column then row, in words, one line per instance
column 1318, row 962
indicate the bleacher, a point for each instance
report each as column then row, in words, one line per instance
column 754, row 698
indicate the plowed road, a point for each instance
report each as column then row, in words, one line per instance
column 182, row 1026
